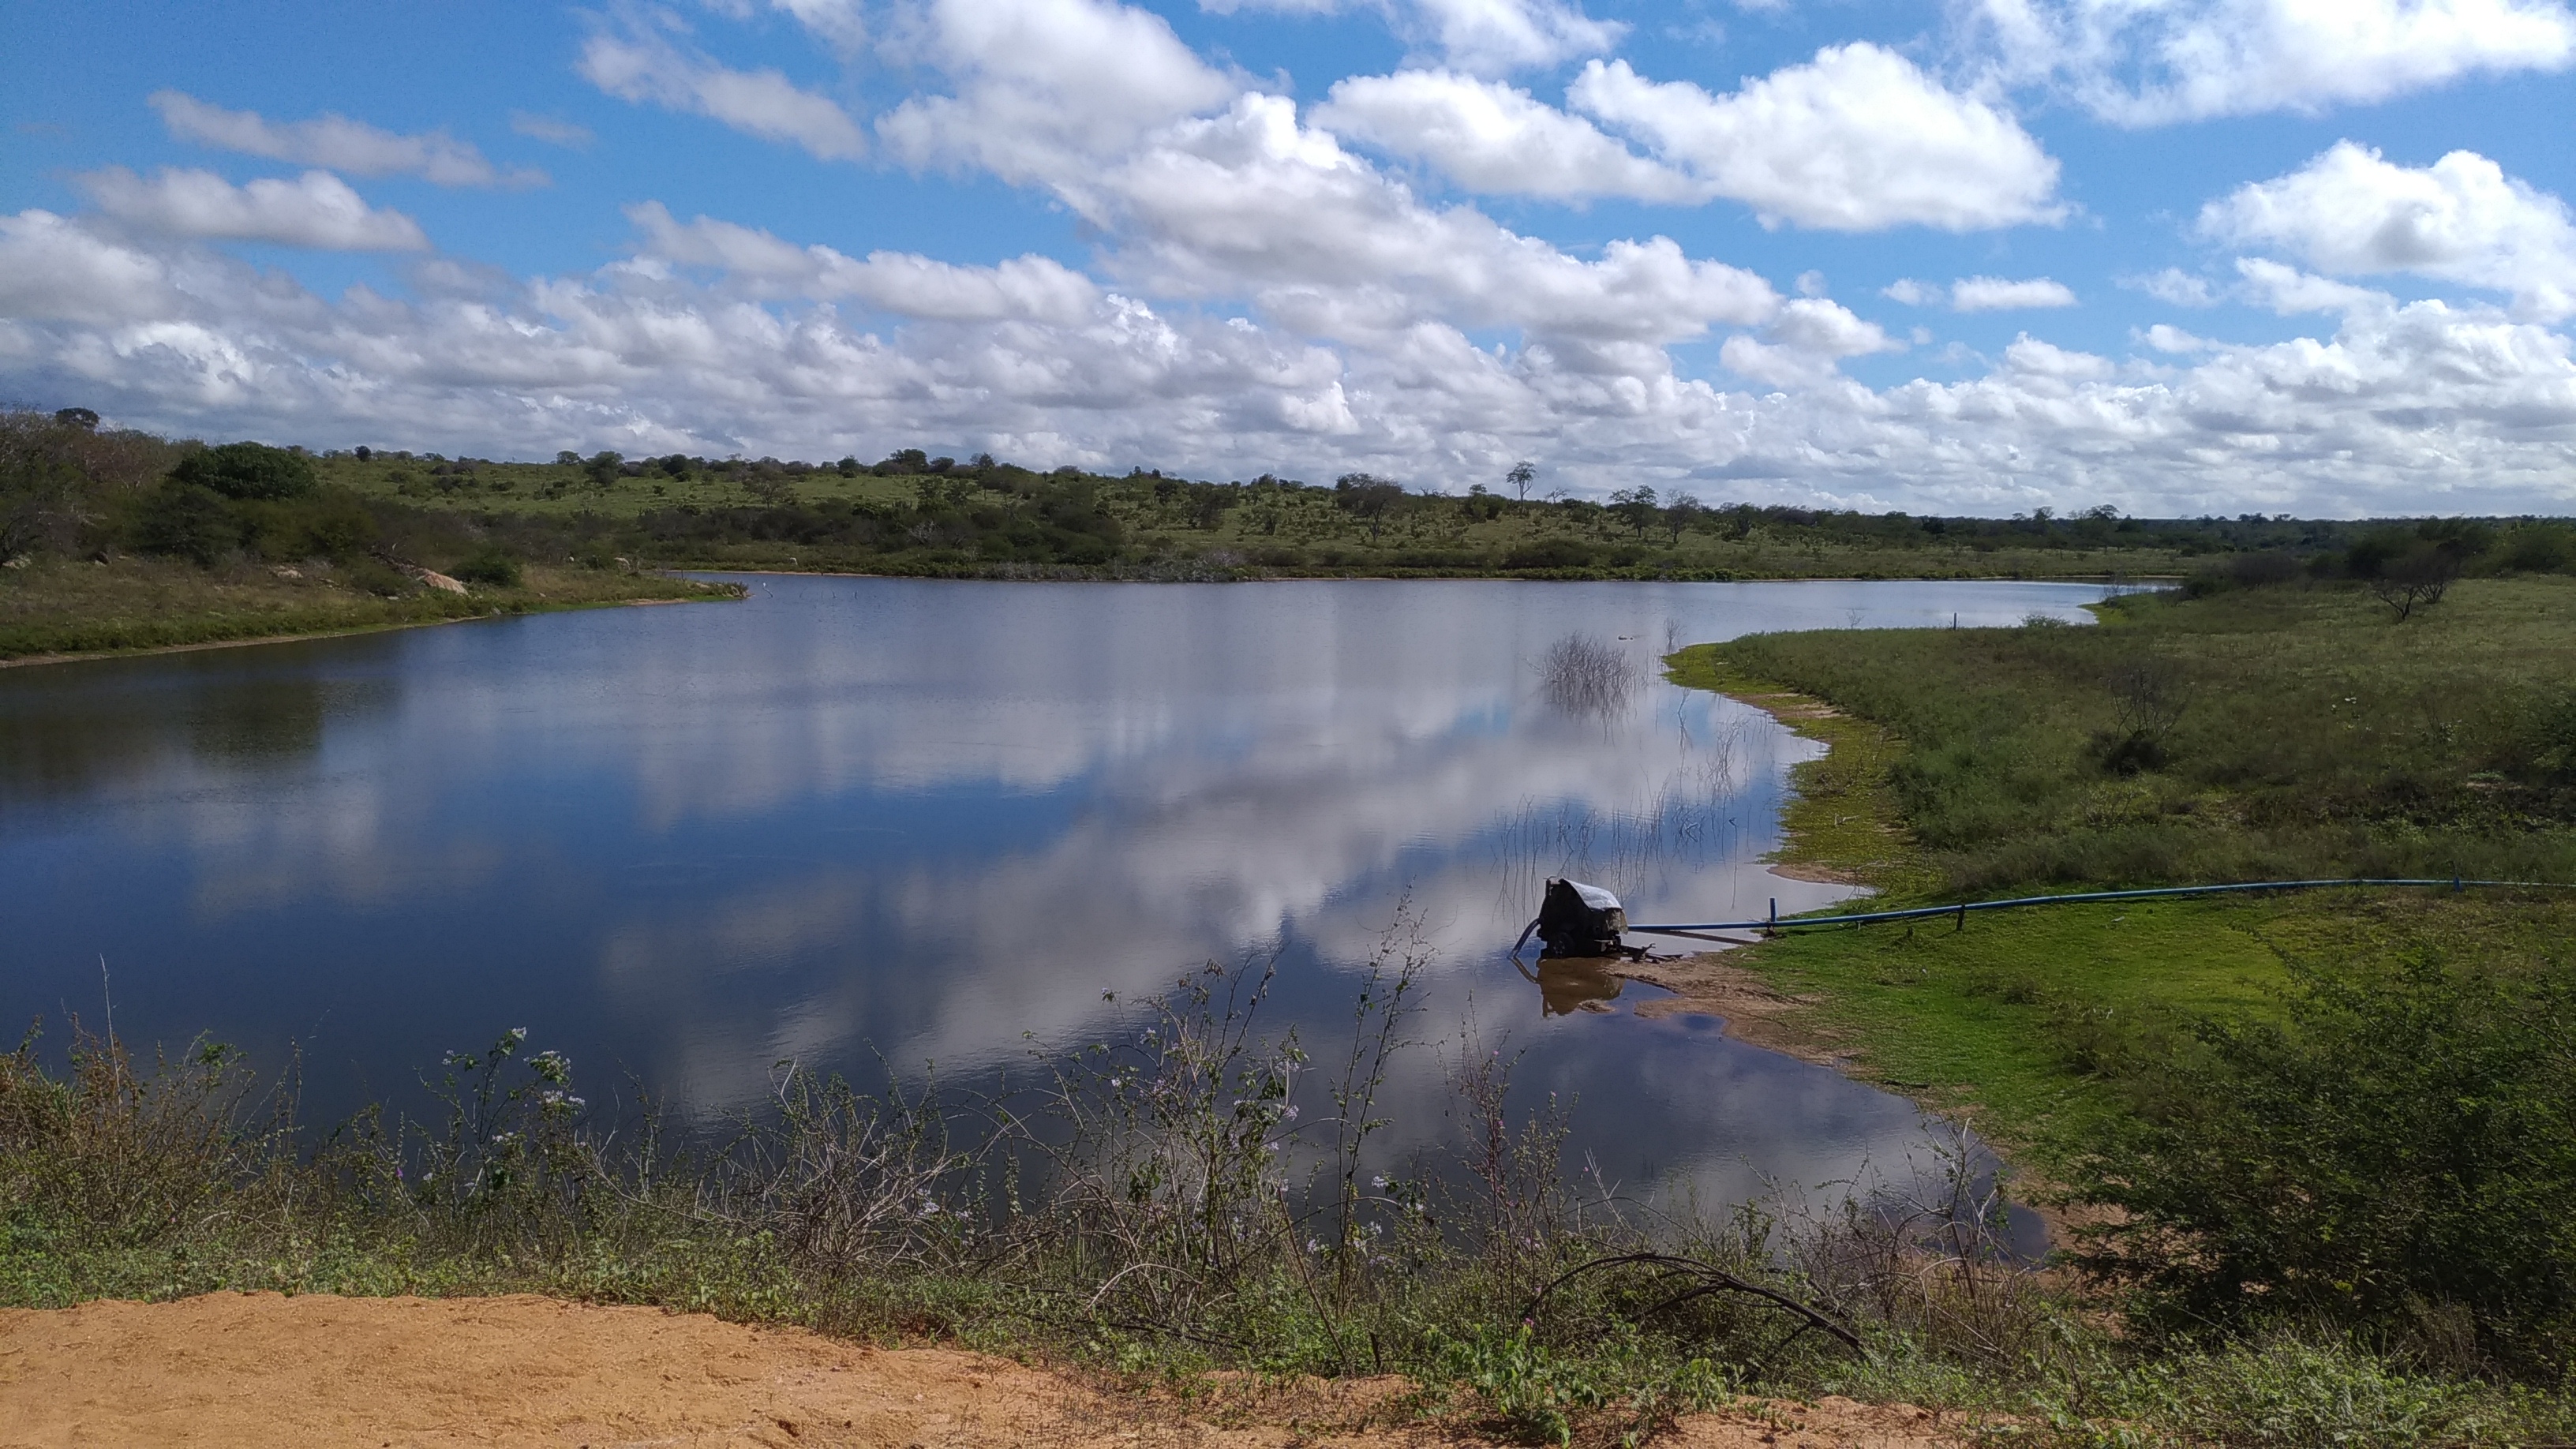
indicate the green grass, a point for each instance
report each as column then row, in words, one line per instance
column 59, row 607
column 2315, row 736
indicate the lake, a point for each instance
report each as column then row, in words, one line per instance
column 931, row 823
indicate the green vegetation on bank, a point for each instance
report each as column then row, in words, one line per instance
column 2340, row 1108
column 58, row 606
column 120, row 541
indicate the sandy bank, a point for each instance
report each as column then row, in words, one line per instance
column 265, row 1369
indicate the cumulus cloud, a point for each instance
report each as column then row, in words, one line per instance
column 1857, row 140
column 1807, row 344
column 1494, row 139
column 2148, row 64
column 1252, row 200
column 2175, row 287
column 1043, row 86
column 59, row 272
column 1981, row 294
column 315, row 210
column 336, row 143
column 645, row 67
column 2396, row 408
column 1998, row 294
column 2461, row 219
column 906, row 283
column 1485, row 37
column 1492, row 36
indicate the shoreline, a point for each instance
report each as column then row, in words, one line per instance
column 1535, row 577
column 88, row 656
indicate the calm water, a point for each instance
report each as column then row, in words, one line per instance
column 928, row 820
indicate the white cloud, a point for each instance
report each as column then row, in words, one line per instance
column 2350, row 213
column 1997, row 294
column 1029, row 287
column 1980, row 294
column 1490, row 36
column 58, row 272
column 1857, row 140
column 841, row 24
column 2289, row 291
column 644, row 67
column 1253, row 201
column 2165, row 338
column 1808, row 342
column 1045, row 85
column 1485, row 37
column 2399, row 408
column 315, row 210
column 1492, row 138
column 2175, row 287
column 336, row 143
column 553, row 130
column 2151, row 63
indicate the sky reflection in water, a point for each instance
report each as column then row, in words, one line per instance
column 928, row 820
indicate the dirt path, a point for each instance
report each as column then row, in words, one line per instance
column 267, row 1370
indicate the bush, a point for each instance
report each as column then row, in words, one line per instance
column 490, row 567
column 248, row 471
column 2396, row 1155
column 186, row 520
column 1554, row 553
column 375, row 578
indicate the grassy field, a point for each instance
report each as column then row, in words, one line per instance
column 2296, row 732
column 55, row 606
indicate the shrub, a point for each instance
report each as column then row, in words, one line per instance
column 186, row 520
column 247, row 471
column 2395, row 1155
column 1554, row 553
column 490, row 567
column 374, row 577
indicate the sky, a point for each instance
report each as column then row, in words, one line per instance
column 2175, row 256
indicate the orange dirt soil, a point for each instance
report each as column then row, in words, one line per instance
column 265, row 1369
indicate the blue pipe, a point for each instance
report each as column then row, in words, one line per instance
column 1962, row 908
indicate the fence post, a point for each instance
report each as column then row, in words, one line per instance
column 1963, row 919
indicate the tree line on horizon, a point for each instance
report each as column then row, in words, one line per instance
column 70, row 488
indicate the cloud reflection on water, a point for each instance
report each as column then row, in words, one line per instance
column 931, row 819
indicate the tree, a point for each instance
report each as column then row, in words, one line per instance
column 1367, row 497
column 81, row 418
column 567, row 459
column 604, row 468
column 1522, row 475
column 1636, row 507
column 1681, row 513
column 249, row 471
column 2416, row 579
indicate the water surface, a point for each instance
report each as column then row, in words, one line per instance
column 933, row 823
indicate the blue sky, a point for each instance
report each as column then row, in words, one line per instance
column 2178, row 256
